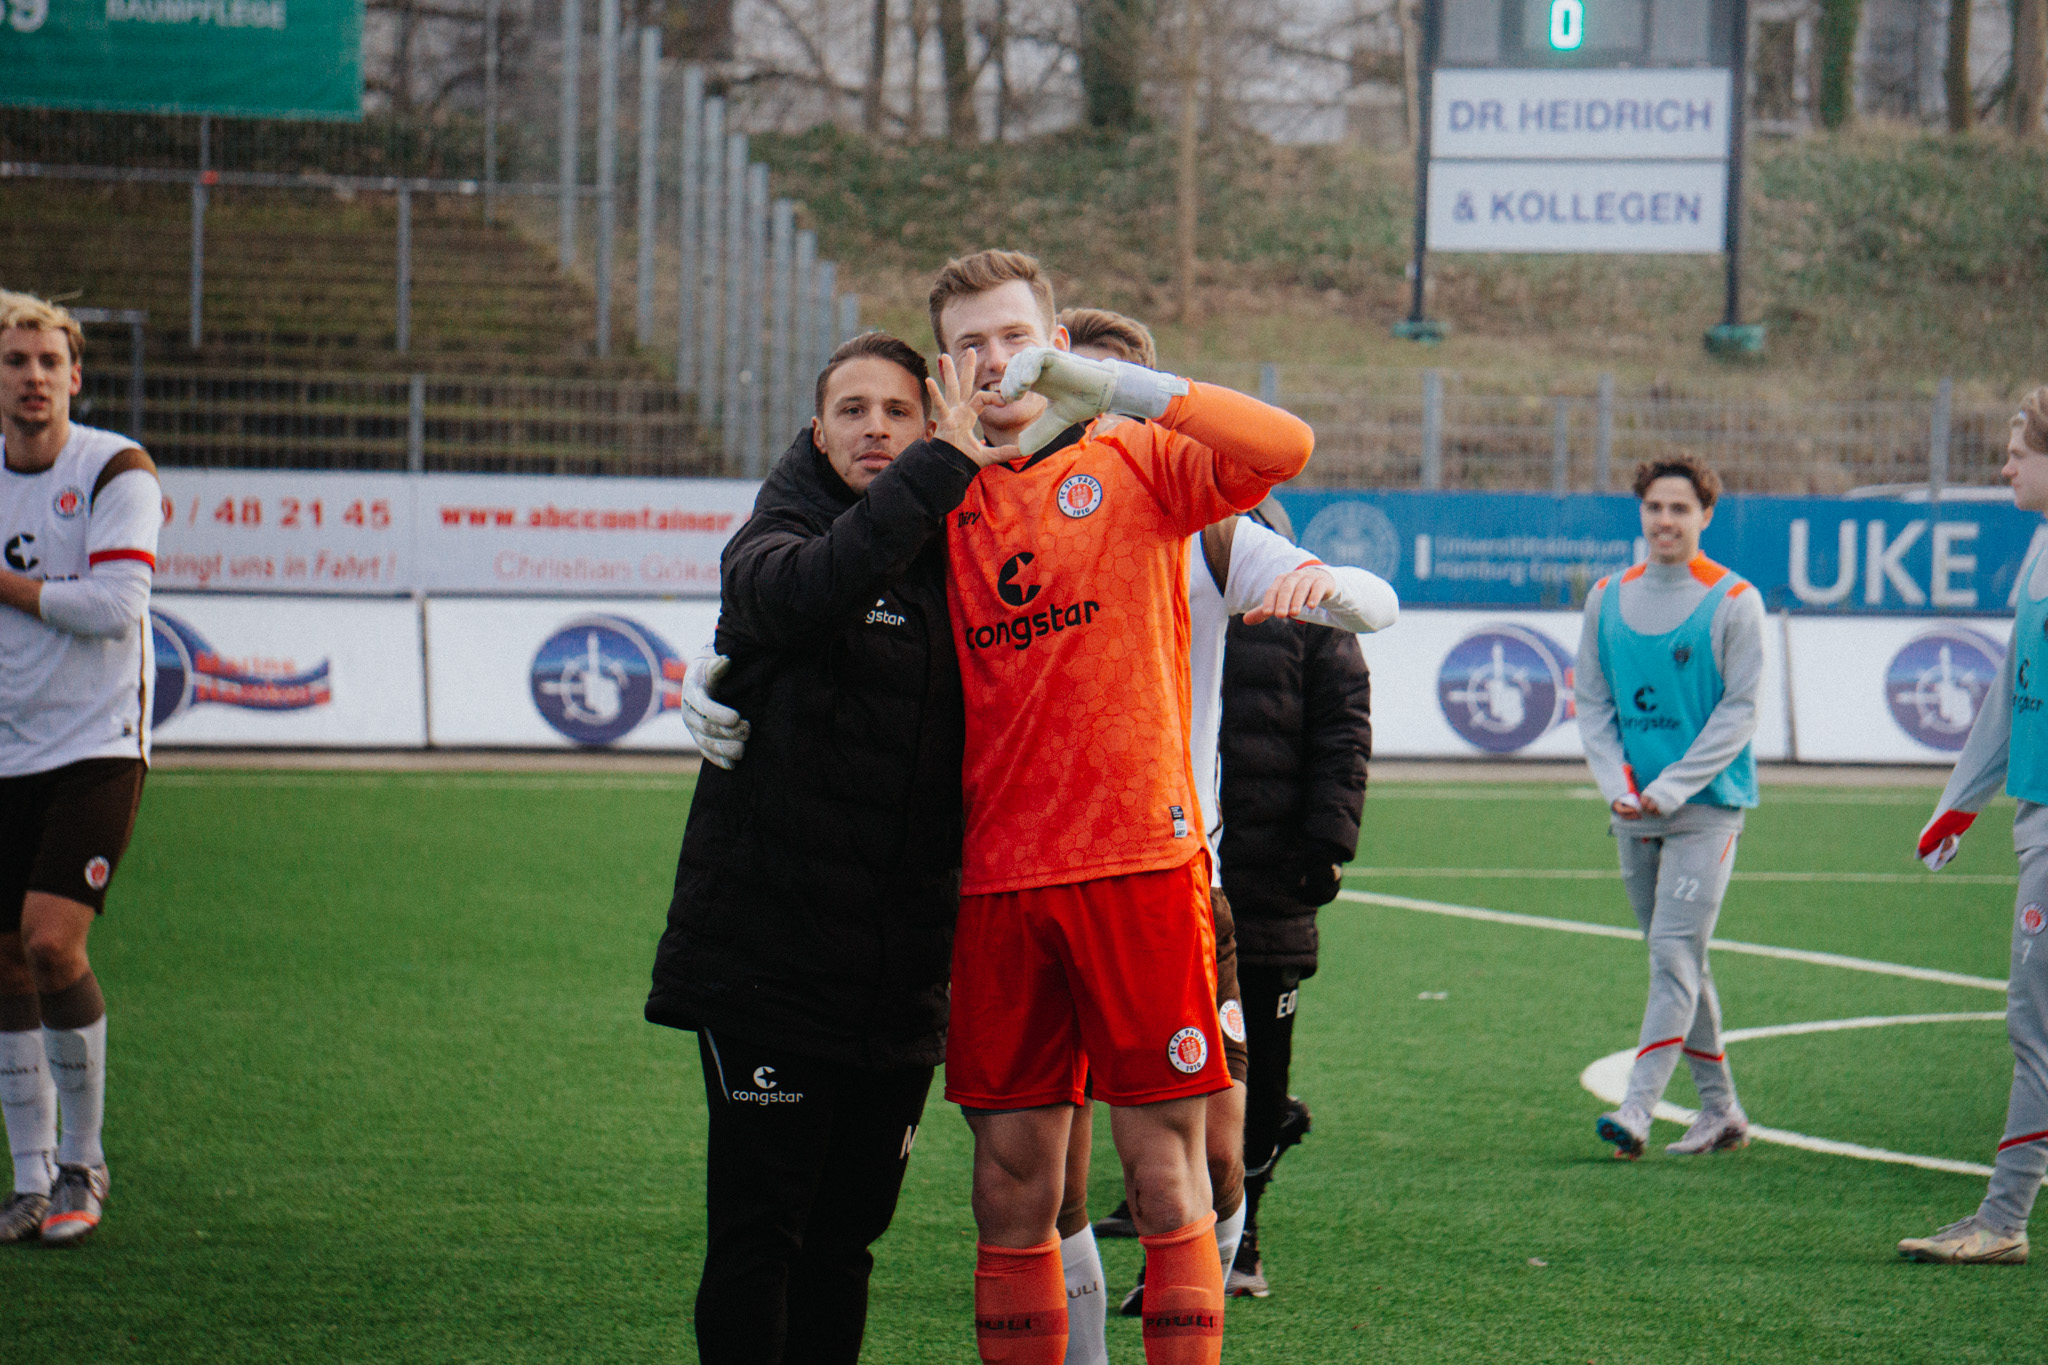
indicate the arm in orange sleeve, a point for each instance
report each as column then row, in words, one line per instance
column 1255, row 445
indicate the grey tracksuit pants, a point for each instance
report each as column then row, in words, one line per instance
column 2023, row 1154
column 1676, row 870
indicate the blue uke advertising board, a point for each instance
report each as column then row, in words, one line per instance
column 1542, row 550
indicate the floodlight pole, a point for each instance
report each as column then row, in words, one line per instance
column 1417, row 327
column 1733, row 337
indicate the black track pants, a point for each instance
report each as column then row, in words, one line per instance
column 1270, row 995
column 806, row 1160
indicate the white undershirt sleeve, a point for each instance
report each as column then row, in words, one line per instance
column 1363, row 601
column 112, row 597
column 1981, row 766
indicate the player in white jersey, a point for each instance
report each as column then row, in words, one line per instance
column 79, row 513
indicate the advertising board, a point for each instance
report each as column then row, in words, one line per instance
column 274, row 673
column 251, row 530
column 1891, row 689
column 1805, row 554
column 558, row 674
column 249, row 58
column 1458, row 684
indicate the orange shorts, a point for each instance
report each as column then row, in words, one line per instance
column 1114, row 977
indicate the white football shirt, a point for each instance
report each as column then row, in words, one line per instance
column 67, row 696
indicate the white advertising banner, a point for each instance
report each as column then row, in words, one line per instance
column 272, row 530
column 1465, row 684
column 271, row 673
column 269, row 530
column 1583, row 206
column 1648, row 114
column 1891, row 689
column 544, row 534
column 525, row 673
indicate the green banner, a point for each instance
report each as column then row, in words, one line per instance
column 245, row 58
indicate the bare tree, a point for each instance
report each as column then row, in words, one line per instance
column 1184, row 186
column 1955, row 72
column 2029, row 66
column 878, row 70
column 961, row 125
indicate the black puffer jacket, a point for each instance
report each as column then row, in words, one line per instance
column 1297, row 731
column 818, row 881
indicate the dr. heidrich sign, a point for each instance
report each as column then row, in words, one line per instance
column 1602, row 161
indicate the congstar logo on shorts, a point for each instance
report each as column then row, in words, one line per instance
column 767, row 1090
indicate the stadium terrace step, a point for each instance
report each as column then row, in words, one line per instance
column 305, row 281
column 344, row 420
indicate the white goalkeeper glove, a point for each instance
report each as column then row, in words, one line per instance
column 1078, row 389
column 721, row 733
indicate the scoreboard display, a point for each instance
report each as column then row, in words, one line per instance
column 1583, row 126
column 1586, row 33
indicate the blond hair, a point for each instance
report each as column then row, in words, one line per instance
column 40, row 315
column 964, row 276
column 2031, row 421
column 1127, row 337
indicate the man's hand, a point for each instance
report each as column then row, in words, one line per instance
column 1078, row 389
column 721, row 733
column 1293, row 593
column 1943, row 836
column 1634, row 807
column 956, row 412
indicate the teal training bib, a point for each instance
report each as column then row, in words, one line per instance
column 2026, row 771
column 1665, row 687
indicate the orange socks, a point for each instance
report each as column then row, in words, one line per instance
column 1020, row 1304
column 1183, row 1296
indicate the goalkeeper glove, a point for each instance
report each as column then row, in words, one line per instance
column 719, row 730
column 1078, row 389
column 1943, row 836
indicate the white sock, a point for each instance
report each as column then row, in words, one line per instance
column 1229, row 1232
column 1087, row 1301
column 30, row 1102
column 78, row 1063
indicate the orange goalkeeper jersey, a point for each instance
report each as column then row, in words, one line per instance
column 1068, row 593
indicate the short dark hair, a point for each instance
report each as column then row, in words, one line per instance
column 881, row 346
column 1129, row 338
column 1684, row 465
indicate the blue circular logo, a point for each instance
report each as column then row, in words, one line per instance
column 174, row 644
column 1936, row 684
column 1505, row 686
column 598, row 677
column 1354, row 533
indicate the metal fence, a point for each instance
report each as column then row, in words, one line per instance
column 1426, row 429
column 755, row 310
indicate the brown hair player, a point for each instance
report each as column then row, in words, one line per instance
column 79, row 514
column 1669, row 664
column 1084, row 864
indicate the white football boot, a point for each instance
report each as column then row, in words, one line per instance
column 1713, row 1132
column 1970, row 1242
column 1627, row 1128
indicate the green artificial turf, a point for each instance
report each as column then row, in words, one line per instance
column 379, row 1090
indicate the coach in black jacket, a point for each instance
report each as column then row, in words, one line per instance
column 1297, row 731
column 811, row 929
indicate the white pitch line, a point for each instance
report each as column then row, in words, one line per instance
column 1611, row 874
column 482, row 781
column 1607, row 1079
column 1722, row 945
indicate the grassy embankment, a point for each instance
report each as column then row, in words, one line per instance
column 1879, row 261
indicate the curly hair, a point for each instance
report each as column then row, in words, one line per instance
column 2031, row 421
column 1684, row 465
